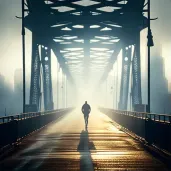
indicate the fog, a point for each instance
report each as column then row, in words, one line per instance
column 11, row 58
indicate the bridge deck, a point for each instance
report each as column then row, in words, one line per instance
column 65, row 146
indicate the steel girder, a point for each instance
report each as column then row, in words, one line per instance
column 35, row 74
column 121, row 23
column 35, row 88
column 47, row 81
column 86, row 52
column 125, row 77
column 136, row 73
column 62, row 61
column 112, row 60
column 126, row 14
column 136, row 76
column 34, row 21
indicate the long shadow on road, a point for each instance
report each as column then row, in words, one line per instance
column 84, row 148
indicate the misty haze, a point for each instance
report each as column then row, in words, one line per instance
column 11, row 60
column 85, row 85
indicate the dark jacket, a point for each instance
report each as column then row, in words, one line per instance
column 86, row 109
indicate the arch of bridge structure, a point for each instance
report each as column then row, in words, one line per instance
column 86, row 37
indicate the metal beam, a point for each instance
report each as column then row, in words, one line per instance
column 62, row 61
column 136, row 73
column 35, row 88
column 47, row 80
column 124, row 89
column 112, row 60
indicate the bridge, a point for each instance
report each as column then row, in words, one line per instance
column 86, row 38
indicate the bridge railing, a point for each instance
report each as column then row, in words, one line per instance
column 166, row 118
column 153, row 128
column 13, row 128
column 23, row 116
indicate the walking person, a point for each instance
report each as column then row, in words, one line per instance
column 86, row 109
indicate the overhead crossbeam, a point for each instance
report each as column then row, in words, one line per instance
column 112, row 60
column 72, row 24
column 62, row 61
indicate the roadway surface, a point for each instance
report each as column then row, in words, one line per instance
column 64, row 145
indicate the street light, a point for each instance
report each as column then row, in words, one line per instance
column 23, row 47
column 149, row 44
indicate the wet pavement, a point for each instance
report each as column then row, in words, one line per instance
column 65, row 145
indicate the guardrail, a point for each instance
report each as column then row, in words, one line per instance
column 154, row 128
column 22, row 116
column 166, row 118
column 13, row 128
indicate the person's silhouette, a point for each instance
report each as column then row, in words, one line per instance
column 86, row 109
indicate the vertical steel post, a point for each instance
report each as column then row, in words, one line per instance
column 23, row 47
column 35, row 86
column 148, row 109
column 131, row 101
column 66, row 101
column 106, row 95
column 58, row 69
column 47, row 78
column 114, row 87
column 136, row 72
column 117, row 83
column 5, row 112
column 125, row 77
column 62, row 90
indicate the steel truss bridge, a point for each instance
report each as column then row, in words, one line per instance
column 86, row 36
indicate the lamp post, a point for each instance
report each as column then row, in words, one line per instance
column 23, row 47
column 149, row 44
